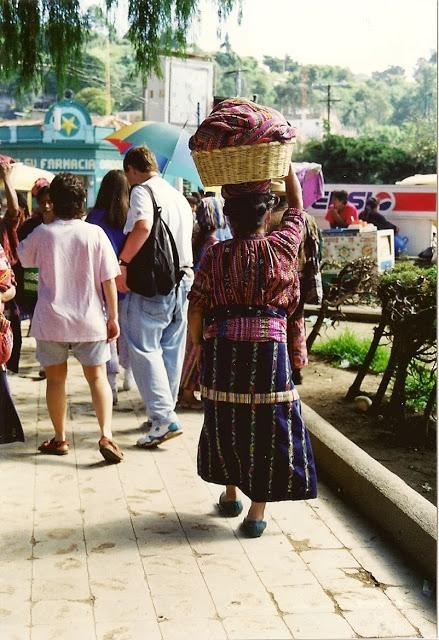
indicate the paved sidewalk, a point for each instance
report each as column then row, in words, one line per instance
column 136, row 551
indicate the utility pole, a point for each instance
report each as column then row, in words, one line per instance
column 238, row 79
column 108, row 79
column 329, row 100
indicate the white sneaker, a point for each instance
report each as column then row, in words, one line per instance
column 155, row 436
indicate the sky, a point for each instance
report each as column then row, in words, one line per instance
column 364, row 35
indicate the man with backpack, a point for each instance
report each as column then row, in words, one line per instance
column 156, row 274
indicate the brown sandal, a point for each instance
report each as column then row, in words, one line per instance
column 192, row 405
column 110, row 451
column 55, row 447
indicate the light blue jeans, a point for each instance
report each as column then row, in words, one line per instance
column 155, row 332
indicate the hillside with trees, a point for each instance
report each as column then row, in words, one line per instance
column 390, row 119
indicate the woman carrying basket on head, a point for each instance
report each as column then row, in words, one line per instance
column 253, row 436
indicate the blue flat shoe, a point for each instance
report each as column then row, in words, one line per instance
column 229, row 508
column 253, row 528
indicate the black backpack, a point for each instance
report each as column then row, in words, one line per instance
column 155, row 269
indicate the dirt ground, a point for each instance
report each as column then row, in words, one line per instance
column 324, row 388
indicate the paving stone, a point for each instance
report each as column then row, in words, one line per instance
column 128, row 630
column 284, row 577
column 60, row 611
column 168, row 565
column 124, row 607
column 425, row 622
column 14, row 611
column 237, row 565
column 307, row 531
column 242, row 596
column 288, row 560
column 364, row 599
column 339, row 558
column 301, row 599
column 184, row 605
column 190, row 629
column 15, row 632
column 176, row 583
column 386, row 566
column 138, row 550
column 62, row 577
column 384, row 623
column 256, row 628
column 63, row 632
column 411, row 598
column 325, row 626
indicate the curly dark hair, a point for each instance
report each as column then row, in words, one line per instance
column 246, row 213
column 67, row 193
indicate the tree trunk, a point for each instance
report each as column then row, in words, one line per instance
column 318, row 325
column 388, row 373
column 398, row 398
column 355, row 387
column 428, row 409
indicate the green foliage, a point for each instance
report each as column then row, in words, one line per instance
column 418, row 385
column 419, row 281
column 348, row 346
column 360, row 160
column 255, row 79
column 94, row 99
column 33, row 33
column 37, row 33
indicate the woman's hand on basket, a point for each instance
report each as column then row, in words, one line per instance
column 293, row 189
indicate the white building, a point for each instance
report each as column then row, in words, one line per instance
column 184, row 95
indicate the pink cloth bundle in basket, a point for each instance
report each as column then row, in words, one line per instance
column 236, row 122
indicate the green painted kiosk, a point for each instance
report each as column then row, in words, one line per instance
column 67, row 140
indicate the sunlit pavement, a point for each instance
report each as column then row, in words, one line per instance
column 137, row 551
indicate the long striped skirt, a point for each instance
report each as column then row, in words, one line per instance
column 253, row 433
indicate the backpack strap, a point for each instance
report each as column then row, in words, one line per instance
column 157, row 214
column 156, row 209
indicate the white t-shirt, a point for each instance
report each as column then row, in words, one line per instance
column 176, row 212
column 73, row 258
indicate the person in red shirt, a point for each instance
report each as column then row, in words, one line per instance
column 341, row 213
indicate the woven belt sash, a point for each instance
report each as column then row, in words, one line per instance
column 246, row 323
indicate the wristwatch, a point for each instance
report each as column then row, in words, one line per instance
column 123, row 263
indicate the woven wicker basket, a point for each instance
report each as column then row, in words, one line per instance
column 247, row 163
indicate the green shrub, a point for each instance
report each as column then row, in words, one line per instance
column 418, row 385
column 348, row 346
column 419, row 282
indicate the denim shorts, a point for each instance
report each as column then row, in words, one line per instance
column 89, row 354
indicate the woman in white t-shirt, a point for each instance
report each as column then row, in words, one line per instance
column 77, row 271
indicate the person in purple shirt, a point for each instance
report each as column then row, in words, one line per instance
column 110, row 213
